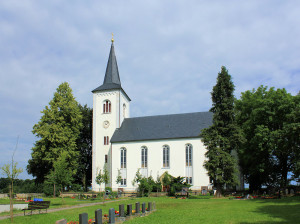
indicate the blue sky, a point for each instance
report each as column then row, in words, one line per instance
column 169, row 54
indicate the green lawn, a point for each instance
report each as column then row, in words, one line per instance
column 170, row 210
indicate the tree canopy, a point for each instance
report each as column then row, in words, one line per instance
column 58, row 131
column 270, row 123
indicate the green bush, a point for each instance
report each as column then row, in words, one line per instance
column 48, row 190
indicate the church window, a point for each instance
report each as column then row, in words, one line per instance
column 106, row 159
column 106, row 107
column 124, row 110
column 123, row 182
column 189, row 163
column 106, row 140
column 189, row 180
column 188, row 155
column 166, row 156
column 123, row 158
column 144, row 154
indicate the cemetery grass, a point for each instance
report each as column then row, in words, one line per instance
column 196, row 210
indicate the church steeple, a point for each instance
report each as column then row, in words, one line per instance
column 112, row 77
column 112, row 72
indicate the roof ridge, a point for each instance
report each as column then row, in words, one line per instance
column 161, row 115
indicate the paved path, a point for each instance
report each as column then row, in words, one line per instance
column 51, row 210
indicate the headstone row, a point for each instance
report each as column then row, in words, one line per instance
column 112, row 217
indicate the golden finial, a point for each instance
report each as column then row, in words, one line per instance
column 112, row 37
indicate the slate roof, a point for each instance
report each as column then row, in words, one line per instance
column 172, row 126
column 112, row 77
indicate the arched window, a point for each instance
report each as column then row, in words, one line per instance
column 144, row 154
column 189, row 163
column 166, row 156
column 188, row 155
column 124, row 110
column 106, row 107
column 123, row 158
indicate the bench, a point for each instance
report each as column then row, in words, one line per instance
column 37, row 205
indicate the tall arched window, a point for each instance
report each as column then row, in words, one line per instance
column 124, row 110
column 106, row 107
column 123, row 158
column 188, row 155
column 144, row 154
column 166, row 156
column 189, row 163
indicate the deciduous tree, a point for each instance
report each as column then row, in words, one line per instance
column 61, row 175
column 270, row 123
column 58, row 131
column 12, row 172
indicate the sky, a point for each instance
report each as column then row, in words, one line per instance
column 169, row 54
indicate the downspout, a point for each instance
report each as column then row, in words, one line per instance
column 111, row 166
column 119, row 108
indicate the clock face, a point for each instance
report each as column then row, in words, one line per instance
column 106, row 124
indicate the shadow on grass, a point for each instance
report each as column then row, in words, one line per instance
column 287, row 210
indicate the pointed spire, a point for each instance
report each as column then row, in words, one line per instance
column 112, row 78
column 112, row 72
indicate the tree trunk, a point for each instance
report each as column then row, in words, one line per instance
column 84, row 182
column 103, row 195
column 11, row 202
column 219, row 191
column 62, row 196
column 53, row 190
column 284, row 172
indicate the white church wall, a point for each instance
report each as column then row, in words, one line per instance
column 155, row 160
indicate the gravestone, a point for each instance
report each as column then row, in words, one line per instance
column 83, row 218
column 121, row 211
column 149, row 206
column 137, row 208
column 111, row 215
column 129, row 210
column 98, row 216
column 154, row 206
column 62, row 221
column 143, row 208
column 292, row 192
column 286, row 191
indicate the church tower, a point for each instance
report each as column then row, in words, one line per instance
column 110, row 107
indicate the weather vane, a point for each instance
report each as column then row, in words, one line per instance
column 112, row 37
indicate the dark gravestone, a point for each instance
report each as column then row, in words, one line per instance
column 137, row 208
column 62, row 221
column 111, row 215
column 121, row 211
column 143, row 208
column 129, row 210
column 83, row 218
column 98, row 216
column 149, row 206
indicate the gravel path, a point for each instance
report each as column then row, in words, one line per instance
column 51, row 210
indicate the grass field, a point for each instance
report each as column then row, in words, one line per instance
column 198, row 210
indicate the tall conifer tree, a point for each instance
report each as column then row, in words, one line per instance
column 223, row 136
column 57, row 130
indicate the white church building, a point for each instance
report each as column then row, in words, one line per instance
column 153, row 144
